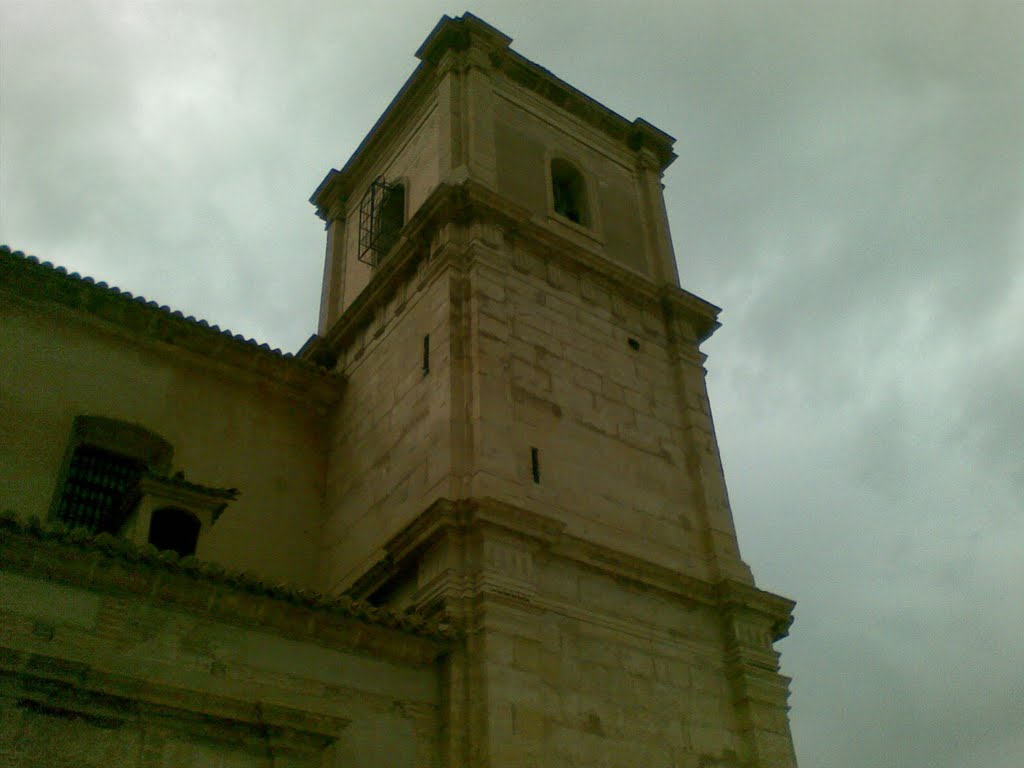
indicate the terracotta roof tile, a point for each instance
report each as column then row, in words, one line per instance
column 31, row 278
column 148, row 557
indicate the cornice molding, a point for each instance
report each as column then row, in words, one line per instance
column 460, row 518
column 445, row 219
column 458, row 37
column 107, row 564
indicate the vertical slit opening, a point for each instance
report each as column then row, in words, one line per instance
column 535, row 464
column 426, row 354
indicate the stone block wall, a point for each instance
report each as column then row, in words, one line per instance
column 114, row 658
column 579, row 686
column 582, row 371
column 390, row 452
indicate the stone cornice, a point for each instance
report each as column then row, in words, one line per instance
column 26, row 279
column 104, row 563
column 178, row 489
column 461, row 517
column 471, row 202
column 333, row 191
column 458, row 35
column 701, row 315
column 746, row 597
column 58, row 686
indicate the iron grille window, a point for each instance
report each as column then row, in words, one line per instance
column 381, row 217
column 98, row 490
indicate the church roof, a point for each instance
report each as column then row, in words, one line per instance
column 41, row 281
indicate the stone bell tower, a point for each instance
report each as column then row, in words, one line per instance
column 525, row 443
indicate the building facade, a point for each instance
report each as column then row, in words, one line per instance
column 490, row 480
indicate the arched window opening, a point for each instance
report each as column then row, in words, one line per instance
column 174, row 529
column 569, row 191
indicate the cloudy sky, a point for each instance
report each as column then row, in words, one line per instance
column 850, row 188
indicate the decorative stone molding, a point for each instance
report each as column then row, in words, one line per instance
column 443, row 219
column 57, row 687
column 514, row 532
column 108, row 564
column 159, row 491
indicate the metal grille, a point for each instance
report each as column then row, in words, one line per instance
column 381, row 216
column 97, row 490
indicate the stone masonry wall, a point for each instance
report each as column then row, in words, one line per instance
column 157, row 669
column 413, row 160
column 390, row 451
column 567, row 365
column 593, row 671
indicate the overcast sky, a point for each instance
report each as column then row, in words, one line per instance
column 850, row 189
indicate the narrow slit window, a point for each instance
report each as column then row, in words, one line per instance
column 426, row 354
column 535, row 464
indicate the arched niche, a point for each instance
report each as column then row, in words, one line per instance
column 175, row 529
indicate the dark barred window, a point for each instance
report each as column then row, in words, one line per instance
column 98, row 490
column 381, row 218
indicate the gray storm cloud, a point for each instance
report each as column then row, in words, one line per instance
column 849, row 189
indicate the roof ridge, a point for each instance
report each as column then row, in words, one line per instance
column 46, row 270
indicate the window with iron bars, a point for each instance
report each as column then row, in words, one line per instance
column 381, row 218
column 99, row 491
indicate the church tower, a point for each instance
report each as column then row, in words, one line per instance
column 524, row 443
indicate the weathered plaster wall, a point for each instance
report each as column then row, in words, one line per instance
column 228, row 429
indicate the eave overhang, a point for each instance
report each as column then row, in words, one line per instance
column 25, row 279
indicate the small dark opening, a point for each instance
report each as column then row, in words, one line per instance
column 634, row 345
column 174, row 529
column 426, row 354
column 392, row 217
column 568, row 191
column 535, row 464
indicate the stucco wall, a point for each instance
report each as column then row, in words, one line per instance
column 228, row 429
